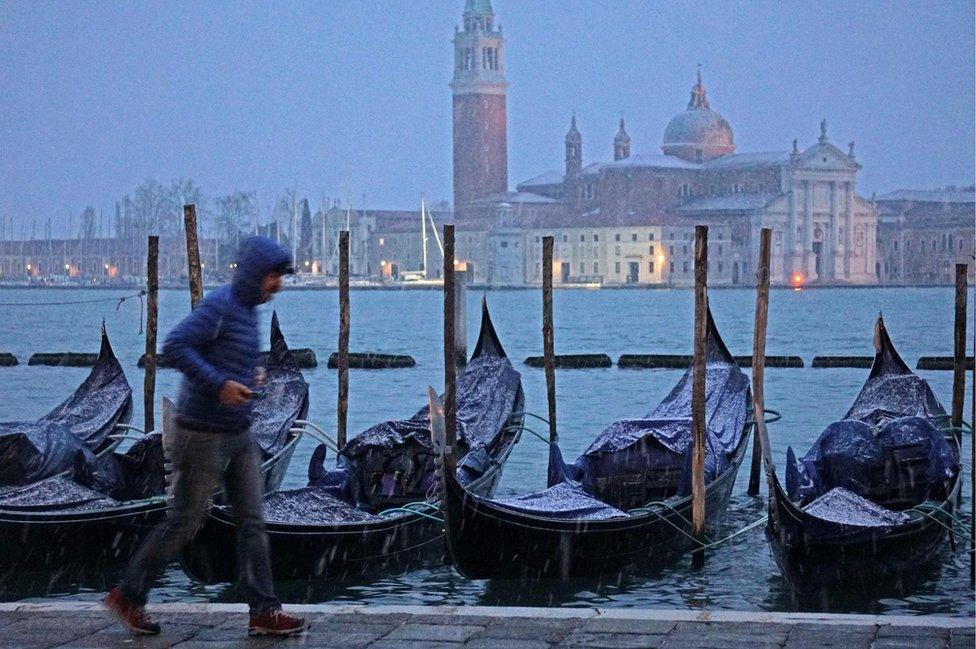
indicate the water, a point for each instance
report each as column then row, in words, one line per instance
column 738, row 575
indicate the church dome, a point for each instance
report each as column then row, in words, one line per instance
column 698, row 134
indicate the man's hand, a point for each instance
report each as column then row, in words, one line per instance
column 259, row 377
column 233, row 393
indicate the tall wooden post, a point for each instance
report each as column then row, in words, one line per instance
column 698, row 392
column 460, row 318
column 152, row 318
column 761, row 442
column 959, row 356
column 450, row 365
column 343, row 362
column 972, row 470
column 548, row 343
column 194, row 271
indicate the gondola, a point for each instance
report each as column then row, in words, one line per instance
column 82, row 427
column 873, row 500
column 625, row 501
column 95, row 515
column 376, row 510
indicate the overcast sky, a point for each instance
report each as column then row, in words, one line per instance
column 350, row 98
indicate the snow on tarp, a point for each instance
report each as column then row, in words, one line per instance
column 101, row 401
column 311, row 505
column 136, row 474
column 634, row 449
column 886, row 449
column 842, row 506
column 57, row 493
column 566, row 500
column 282, row 398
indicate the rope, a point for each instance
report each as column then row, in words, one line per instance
column 67, row 302
column 528, row 430
column 532, row 414
column 406, row 509
column 963, row 533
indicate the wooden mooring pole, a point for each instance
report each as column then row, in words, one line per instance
column 698, row 393
column 761, row 442
column 548, row 343
column 342, row 408
column 959, row 352
column 460, row 318
column 152, row 324
column 450, row 358
column 194, row 270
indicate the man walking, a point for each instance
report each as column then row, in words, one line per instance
column 216, row 349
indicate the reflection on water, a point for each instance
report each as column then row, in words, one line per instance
column 739, row 575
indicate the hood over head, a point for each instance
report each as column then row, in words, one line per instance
column 257, row 257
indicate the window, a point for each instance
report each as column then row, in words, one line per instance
column 651, row 237
column 582, row 238
column 650, row 267
column 671, row 250
column 537, row 238
column 671, row 267
column 596, row 268
column 503, row 244
column 582, row 268
column 698, row 155
column 685, row 190
column 616, row 267
column 616, row 237
column 720, row 249
column 633, row 236
column 596, row 237
column 565, row 238
column 684, row 250
column 616, row 250
column 685, row 267
column 589, row 192
column 720, row 267
column 652, row 250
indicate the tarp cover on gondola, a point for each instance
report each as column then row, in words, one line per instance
column 67, row 437
column 566, row 500
column 886, row 451
column 395, row 460
column 281, row 400
column 659, row 444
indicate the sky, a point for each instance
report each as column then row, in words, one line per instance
column 349, row 99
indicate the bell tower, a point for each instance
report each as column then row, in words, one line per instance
column 479, row 87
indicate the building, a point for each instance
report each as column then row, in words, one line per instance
column 923, row 234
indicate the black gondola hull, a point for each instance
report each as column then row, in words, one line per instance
column 487, row 541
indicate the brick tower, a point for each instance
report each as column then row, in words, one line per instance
column 480, row 138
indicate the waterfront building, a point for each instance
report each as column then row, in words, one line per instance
column 922, row 234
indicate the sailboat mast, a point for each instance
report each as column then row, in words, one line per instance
column 423, row 233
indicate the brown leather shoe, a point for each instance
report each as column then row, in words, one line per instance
column 276, row 623
column 133, row 616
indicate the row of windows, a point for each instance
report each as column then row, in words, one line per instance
column 490, row 59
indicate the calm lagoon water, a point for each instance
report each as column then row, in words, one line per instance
column 738, row 575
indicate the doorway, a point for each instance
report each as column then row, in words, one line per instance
column 633, row 273
column 817, row 249
column 564, row 271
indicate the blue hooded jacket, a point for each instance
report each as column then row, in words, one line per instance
column 218, row 341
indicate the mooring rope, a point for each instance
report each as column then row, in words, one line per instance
column 69, row 302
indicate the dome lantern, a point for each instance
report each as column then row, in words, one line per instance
column 698, row 134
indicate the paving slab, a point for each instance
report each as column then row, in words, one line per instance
column 83, row 625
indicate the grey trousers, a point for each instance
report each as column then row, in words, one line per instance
column 203, row 462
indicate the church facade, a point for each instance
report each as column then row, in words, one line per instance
column 823, row 232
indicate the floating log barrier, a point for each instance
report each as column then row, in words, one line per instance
column 63, row 359
column 304, row 358
column 940, row 363
column 572, row 361
column 683, row 361
column 842, row 361
column 373, row 361
column 8, row 360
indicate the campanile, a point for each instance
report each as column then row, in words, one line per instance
column 480, row 136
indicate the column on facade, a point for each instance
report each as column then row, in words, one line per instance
column 808, row 186
column 848, row 227
column 790, row 243
column 832, row 240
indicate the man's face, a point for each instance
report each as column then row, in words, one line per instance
column 270, row 285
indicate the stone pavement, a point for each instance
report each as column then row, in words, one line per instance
column 76, row 625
